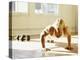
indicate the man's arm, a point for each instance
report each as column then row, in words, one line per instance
column 43, row 39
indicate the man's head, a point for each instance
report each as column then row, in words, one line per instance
column 51, row 30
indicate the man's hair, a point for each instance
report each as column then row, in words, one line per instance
column 51, row 28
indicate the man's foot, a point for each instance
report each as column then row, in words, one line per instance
column 47, row 49
column 52, row 41
column 69, row 48
column 48, row 41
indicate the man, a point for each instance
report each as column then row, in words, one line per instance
column 58, row 29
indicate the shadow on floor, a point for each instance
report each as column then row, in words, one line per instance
column 74, row 50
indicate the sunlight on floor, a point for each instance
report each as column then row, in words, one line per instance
column 27, row 49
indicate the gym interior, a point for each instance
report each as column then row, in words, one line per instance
column 27, row 20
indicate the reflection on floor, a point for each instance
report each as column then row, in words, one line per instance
column 33, row 48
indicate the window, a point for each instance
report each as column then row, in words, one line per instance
column 38, row 8
column 21, row 7
column 46, row 8
column 50, row 8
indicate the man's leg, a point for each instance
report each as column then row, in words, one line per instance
column 68, row 34
column 69, row 47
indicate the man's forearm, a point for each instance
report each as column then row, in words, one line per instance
column 43, row 41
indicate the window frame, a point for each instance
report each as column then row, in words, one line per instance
column 16, row 8
column 44, row 11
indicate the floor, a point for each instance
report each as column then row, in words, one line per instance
column 33, row 49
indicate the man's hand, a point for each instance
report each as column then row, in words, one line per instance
column 69, row 48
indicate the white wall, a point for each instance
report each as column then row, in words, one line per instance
column 31, row 23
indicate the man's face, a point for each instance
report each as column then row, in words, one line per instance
column 51, row 31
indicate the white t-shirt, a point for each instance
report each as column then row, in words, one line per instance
column 55, row 25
